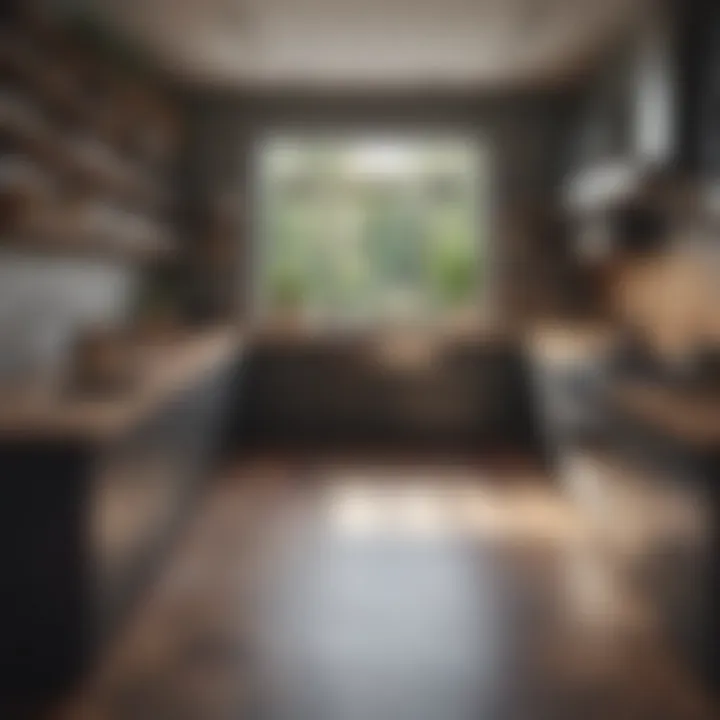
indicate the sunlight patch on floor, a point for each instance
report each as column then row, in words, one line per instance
column 450, row 507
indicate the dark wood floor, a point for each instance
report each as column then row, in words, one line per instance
column 350, row 589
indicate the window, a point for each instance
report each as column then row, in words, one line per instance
column 358, row 230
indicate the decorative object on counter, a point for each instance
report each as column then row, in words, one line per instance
column 102, row 362
column 157, row 313
column 670, row 299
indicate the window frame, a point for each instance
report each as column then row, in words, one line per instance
column 257, row 299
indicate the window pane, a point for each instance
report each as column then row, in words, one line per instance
column 358, row 230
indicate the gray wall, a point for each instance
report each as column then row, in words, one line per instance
column 44, row 302
column 525, row 134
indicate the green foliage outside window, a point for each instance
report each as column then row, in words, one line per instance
column 362, row 230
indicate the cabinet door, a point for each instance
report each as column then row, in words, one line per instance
column 136, row 492
column 46, row 597
column 679, row 572
column 144, row 487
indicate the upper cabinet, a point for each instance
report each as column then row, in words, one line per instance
column 704, row 129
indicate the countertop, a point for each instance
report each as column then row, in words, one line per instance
column 568, row 341
column 166, row 369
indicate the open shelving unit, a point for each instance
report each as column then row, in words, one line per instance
column 87, row 148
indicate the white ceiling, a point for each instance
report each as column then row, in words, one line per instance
column 379, row 43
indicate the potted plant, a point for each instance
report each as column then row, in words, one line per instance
column 288, row 296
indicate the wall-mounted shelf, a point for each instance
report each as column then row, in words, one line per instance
column 87, row 246
column 107, row 172
column 94, row 136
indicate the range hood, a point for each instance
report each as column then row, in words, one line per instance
column 606, row 186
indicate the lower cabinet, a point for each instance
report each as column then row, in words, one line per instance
column 469, row 394
column 680, row 571
column 655, row 503
column 84, row 526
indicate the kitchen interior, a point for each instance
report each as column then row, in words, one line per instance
column 136, row 369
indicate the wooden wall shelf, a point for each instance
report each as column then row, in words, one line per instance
column 92, row 133
column 115, row 175
column 91, row 247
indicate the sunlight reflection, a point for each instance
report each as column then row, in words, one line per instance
column 443, row 510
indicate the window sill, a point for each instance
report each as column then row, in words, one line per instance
column 305, row 333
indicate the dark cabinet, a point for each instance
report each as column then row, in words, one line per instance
column 681, row 571
column 464, row 393
column 143, row 486
column 699, row 96
column 84, row 525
